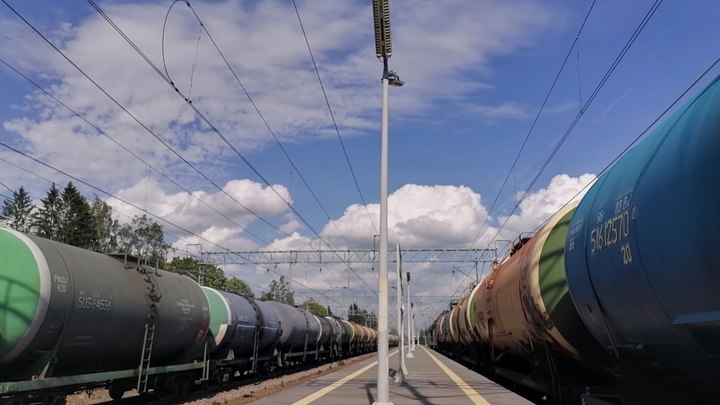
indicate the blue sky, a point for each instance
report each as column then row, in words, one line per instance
column 476, row 73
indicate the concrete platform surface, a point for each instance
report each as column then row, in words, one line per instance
column 432, row 379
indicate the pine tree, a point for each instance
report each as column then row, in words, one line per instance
column 47, row 218
column 76, row 222
column 17, row 212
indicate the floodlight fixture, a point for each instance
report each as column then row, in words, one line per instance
column 394, row 79
column 381, row 17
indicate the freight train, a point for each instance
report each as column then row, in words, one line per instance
column 616, row 298
column 72, row 319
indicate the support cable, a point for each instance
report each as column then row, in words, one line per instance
column 207, row 121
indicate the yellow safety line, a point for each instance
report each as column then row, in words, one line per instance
column 468, row 390
column 336, row 384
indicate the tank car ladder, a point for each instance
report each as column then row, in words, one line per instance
column 144, row 369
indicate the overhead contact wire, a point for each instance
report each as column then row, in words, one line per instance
column 584, row 108
column 277, row 140
column 158, row 217
column 535, row 121
column 145, row 127
column 332, row 116
column 137, row 120
column 100, row 131
column 205, row 119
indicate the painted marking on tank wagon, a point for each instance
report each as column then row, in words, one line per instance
column 60, row 283
column 95, row 302
column 610, row 232
column 185, row 306
column 615, row 230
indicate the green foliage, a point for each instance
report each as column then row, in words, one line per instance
column 315, row 307
column 47, row 218
column 75, row 219
column 144, row 238
column 237, row 286
column 67, row 217
column 105, row 228
column 16, row 212
column 362, row 316
column 211, row 275
column 280, row 291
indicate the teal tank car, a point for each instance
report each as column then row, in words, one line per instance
column 642, row 251
column 67, row 310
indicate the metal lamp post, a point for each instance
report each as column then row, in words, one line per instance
column 409, row 317
column 412, row 327
column 402, row 370
column 383, row 50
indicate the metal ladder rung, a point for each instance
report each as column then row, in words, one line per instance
column 144, row 368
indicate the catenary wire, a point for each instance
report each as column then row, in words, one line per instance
column 158, row 217
column 332, row 116
column 100, row 131
column 147, row 129
column 267, row 125
column 580, row 114
column 534, row 123
column 138, row 121
column 207, row 121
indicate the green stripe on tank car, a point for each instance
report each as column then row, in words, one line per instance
column 556, row 294
column 553, row 281
column 218, row 311
column 19, row 290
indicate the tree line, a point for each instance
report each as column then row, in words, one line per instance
column 66, row 216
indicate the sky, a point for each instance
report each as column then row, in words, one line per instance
column 271, row 173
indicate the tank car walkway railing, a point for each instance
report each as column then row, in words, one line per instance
column 432, row 379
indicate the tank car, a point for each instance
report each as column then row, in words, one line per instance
column 64, row 307
column 642, row 250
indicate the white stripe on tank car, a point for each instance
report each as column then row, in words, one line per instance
column 43, row 299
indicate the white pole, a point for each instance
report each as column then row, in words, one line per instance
column 412, row 326
column 409, row 312
column 383, row 383
column 402, row 370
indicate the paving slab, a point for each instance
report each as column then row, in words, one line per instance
column 432, row 379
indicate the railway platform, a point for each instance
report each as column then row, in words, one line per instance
column 432, row 379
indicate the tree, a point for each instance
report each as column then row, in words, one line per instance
column 47, row 218
column 280, row 291
column 104, row 228
column 144, row 238
column 212, row 276
column 237, row 286
column 76, row 227
column 315, row 307
column 361, row 316
column 16, row 211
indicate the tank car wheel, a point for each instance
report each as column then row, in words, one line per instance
column 116, row 392
column 162, row 387
column 182, row 387
column 268, row 368
column 53, row 400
